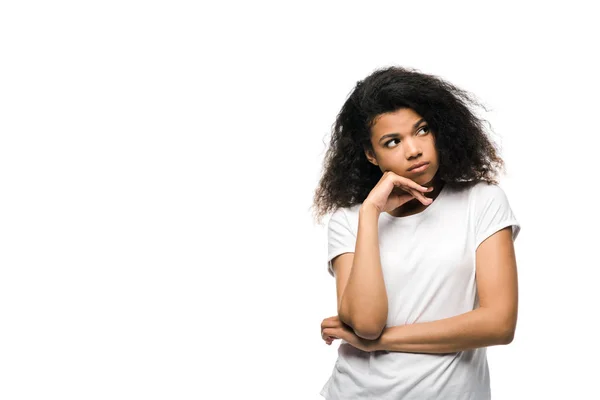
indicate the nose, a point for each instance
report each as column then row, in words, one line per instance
column 412, row 149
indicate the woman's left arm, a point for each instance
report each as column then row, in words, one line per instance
column 493, row 323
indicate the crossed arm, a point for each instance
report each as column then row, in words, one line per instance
column 493, row 323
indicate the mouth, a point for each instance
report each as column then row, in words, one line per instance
column 419, row 167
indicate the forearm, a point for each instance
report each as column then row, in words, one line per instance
column 364, row 304
column 481, row 327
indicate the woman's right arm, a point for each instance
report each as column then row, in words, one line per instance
column 363, row 302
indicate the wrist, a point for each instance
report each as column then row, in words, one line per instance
column 379, row 343
column 368, row 209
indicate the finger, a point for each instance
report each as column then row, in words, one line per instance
column 325, row 323
column 423, row 199
column 327, row 332
column 409, row 183
column 420, row 188
column 333, row 323
column 329, row 319
column 413, row 193
column 327, row 336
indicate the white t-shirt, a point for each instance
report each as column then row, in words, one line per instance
column 428, row 263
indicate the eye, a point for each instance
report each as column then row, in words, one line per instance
column 423, row 128
column 393, row 140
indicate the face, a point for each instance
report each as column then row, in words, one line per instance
column 400, row 140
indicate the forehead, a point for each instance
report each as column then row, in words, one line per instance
column 399, row 121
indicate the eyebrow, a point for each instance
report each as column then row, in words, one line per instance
column 388, row 135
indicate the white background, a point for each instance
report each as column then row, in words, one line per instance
column 158, row 162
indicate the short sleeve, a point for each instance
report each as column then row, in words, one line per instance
column 340, row 237
column 493, row 213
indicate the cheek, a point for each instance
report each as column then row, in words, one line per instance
column 434, row 155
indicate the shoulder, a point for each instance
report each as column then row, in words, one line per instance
column 347, row 216
column 490, row 191
column 482, row 191
column 477, row 194
column 339, row 214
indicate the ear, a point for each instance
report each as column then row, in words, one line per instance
column 371, row 157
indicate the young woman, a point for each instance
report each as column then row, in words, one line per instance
column 420, row 242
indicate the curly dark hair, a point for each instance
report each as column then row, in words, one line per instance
column 466, row 154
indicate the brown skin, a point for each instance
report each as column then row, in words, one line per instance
column 494, row 322
column 398, row 153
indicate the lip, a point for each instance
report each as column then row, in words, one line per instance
column 419, row 167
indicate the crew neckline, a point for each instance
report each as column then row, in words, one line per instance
column 421, row 214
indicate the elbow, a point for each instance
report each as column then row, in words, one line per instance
column 364, row 328
column 369, row 335
column 504, row 327
column 366, row 323
column 369, row 331
column 507, row 336
column 507, row 332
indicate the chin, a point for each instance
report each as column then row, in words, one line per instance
column 425, row 178
column 422, row 179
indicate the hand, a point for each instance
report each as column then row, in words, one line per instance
column 394, row 190
column 333, row 328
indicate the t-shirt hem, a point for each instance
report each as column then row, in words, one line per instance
column 333, row 255
column 495, row 228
